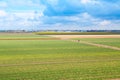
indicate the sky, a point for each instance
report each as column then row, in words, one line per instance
column 60, row 14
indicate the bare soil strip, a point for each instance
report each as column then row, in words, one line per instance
column 84, row 36
column 115, row 79
column 98, row 45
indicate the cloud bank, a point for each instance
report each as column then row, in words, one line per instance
column 59, row 14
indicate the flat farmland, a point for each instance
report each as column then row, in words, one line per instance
column 106, row 41
column 31, row 59
column 24, row 36
column 20, row 35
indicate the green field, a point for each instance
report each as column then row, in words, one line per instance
column 107, row 41
column 57, row 59
column 20, row 35
column 77, row 33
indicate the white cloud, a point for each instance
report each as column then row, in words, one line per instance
column 20, row 20
column 33, row 21
column 52, row 2
column 85, row 1
column 105, row 23
column 2, row 13
column 92, row 2
column 28, row 14
column 21, row 3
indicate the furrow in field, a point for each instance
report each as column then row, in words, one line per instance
column 63, row 62
column 25, row 49
column 95, row 77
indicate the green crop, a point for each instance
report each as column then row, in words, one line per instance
column 57, row 60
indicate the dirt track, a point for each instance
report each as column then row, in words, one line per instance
column 67, row 37
column 85, row 36
column 115, row 79
column 98, row 45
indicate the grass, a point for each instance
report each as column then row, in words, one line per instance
column 24, row 36
column 107, row 41
column 20, row 35
column 56, row 60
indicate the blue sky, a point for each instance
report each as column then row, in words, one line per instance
column 59, row 14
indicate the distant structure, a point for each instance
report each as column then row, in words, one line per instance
column 13, row 31
column 22, row 31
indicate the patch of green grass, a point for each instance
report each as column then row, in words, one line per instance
column 56, row 60
column 106, row 41
column 25, row 36
column 20, row 35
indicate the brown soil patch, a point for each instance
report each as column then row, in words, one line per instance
column 115, row 79
column 84, row 36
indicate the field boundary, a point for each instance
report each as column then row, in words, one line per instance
column 53, row 62
column 29, row 38
column 98, row 45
